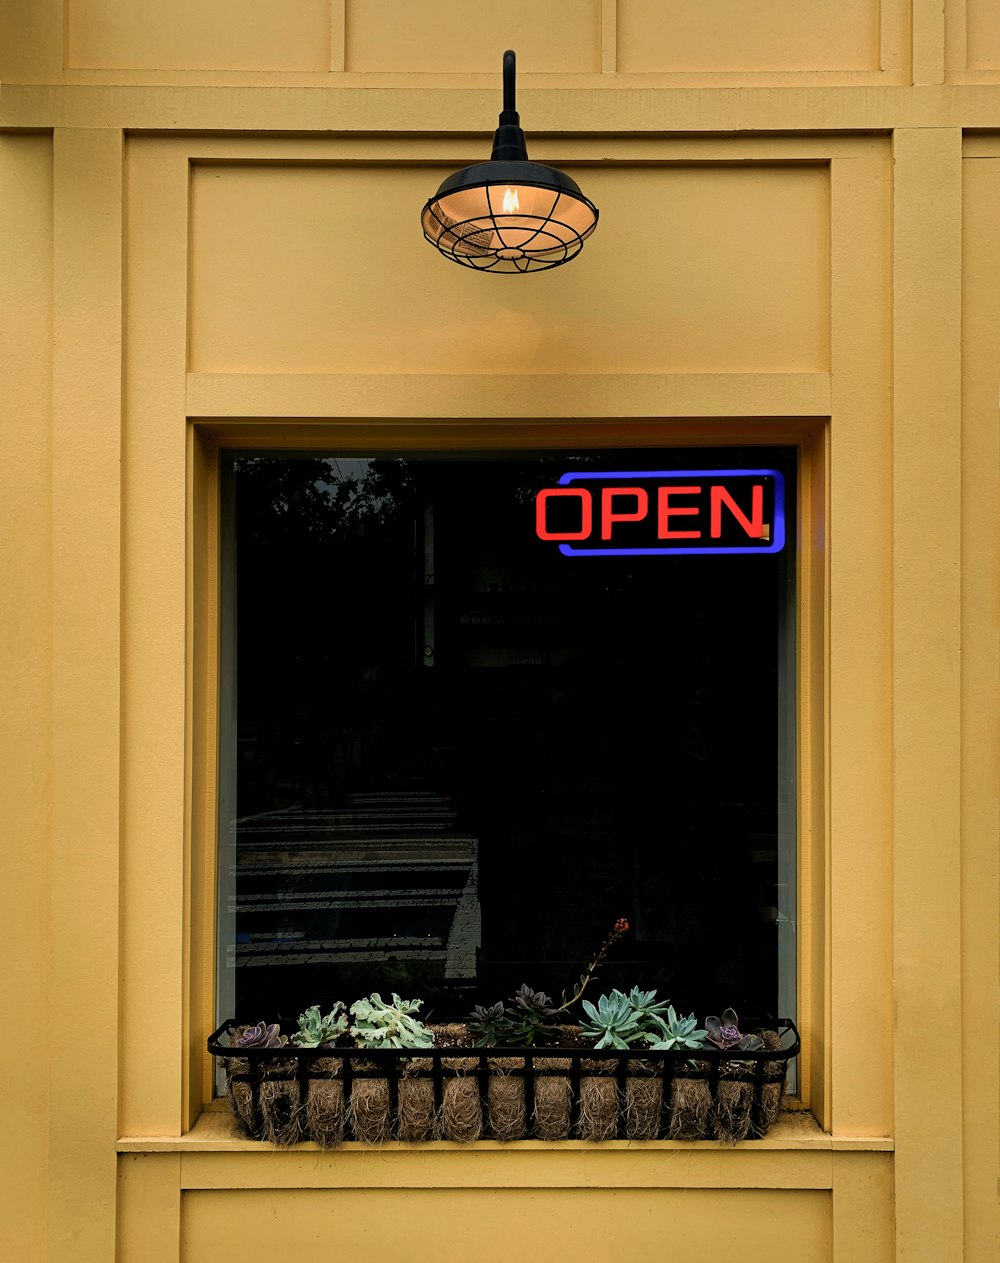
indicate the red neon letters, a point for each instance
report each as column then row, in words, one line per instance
column 586, row 512
column 678, row 517
column 609, row 517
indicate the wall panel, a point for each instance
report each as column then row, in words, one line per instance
column 401, row 35
column 198, row 35
column 700, row 268
column 982, row 34
column 730, row 35
column 588, row 1225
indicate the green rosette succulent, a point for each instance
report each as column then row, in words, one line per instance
column 675, row 1031
column 646, row 1006
column 612, row 1022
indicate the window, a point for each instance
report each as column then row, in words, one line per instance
column 477, row 706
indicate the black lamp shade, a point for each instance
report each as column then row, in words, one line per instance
column 509, row 214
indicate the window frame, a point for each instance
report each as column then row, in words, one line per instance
column 841, row 407
column 208, row 442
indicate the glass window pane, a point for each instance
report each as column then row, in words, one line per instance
column 454, row 753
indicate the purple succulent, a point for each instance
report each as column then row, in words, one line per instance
column 263, row 1035
column 725, row 1033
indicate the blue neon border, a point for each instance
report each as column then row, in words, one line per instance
column 776, row 545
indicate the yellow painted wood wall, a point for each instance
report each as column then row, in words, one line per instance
column 209, row 237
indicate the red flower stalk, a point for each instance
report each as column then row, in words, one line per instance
column 619, row 928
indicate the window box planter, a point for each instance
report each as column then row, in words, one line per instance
column 285, row 1095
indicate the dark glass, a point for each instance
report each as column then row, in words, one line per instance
column 460, row 756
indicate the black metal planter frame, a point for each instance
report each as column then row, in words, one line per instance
column 711, row 1066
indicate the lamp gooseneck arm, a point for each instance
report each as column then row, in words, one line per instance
column 509, row 144
column 509, row 72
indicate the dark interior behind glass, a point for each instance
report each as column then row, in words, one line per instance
column 459, row 755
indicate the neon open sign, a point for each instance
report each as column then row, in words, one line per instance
column 664, row 512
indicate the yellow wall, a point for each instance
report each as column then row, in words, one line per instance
column 210, row 238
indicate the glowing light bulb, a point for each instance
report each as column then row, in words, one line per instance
column 510, row 202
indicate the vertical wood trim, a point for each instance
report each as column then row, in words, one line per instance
column 860, row 678
column 956, row 35
column 149, row 1191
column 609, row 36
column 927, row 35
column 812, row 709
column 155, row 777
column 338, row 35
column 25, row 699
column 893, row 34
column 202, row 760
column 64, row 27
column 926, row 450
column 862, row 1208
column 86, row 692
column 980, row 704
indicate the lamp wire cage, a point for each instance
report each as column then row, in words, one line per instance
column 509, row 215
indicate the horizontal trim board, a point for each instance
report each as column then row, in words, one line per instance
column 321, row 395
column 352, row 434
column 580, row 149
column 452, row 1171
column 595, row 111
column 215, row 1133
column 149, row 76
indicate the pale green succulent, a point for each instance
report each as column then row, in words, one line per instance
column 315, row 1031
column 380, row 1025
column 646, row 1005
column 612, row 1022
column 676, row 1032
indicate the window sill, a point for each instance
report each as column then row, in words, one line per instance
column 216, row 1132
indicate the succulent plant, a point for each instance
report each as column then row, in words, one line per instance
column 380, row 1025
column 315, row 1031
column 263, row 1035
column 530, row 1015
column 675, row 1032
column 491, row 1025
column 646, row 1005
column 613, row 1022
column 725, row 1033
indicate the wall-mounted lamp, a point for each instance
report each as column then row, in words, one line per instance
column 509, row 214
